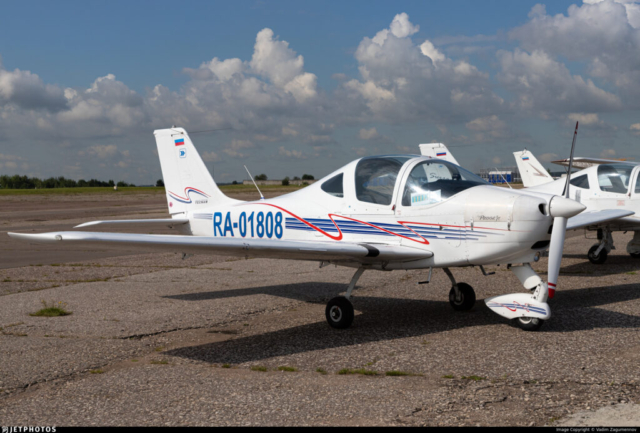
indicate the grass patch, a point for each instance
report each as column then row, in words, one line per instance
column 96, row 371
column 632, row 273
column 160, row 362
column 448, row 376
column 321, row 371
column 358, row 371
column 226, row 365
column 286, row 368
column 474, row 378
column 159, row 349
column 398, row 373
column 258, row 368
column 52, row 310
column 134, row 360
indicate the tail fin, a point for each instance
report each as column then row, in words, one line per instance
column 531, row 171
column 437, row 150
column 188, row 184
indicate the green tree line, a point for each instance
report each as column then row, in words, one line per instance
column 25, row 182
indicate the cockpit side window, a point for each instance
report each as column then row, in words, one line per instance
column 581, row 181
column 376, row 178
column 334, row 186
column 431, row 182
column 614, row 177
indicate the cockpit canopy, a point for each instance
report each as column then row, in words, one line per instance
column 614, row 177
column 422, row 182
column 434, row 180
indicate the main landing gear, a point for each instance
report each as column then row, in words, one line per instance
column 462, row 297
column 598, row 253
column 340, row 313
column 339, row 310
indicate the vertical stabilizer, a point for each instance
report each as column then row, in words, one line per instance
column 437, row 150
column 531, row 171
column 187, row 182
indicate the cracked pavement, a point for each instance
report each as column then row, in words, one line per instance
column 157, row 340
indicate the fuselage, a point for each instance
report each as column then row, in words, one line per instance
column 461, row 220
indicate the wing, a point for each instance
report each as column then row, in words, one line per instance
column 162, row 221
column 586, row 219
column 295, row 250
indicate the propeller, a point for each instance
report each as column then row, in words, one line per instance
column 561, row 209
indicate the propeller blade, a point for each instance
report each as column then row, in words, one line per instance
column 555, row 252
column 561, row 209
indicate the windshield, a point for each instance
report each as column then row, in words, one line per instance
column 432, row 181
column 614, row 177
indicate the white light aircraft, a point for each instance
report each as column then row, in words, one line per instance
column 380, row 213
column 608, row 188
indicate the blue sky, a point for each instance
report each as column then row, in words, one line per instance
column 79, row 79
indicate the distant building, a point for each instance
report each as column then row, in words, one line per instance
column 501, row 175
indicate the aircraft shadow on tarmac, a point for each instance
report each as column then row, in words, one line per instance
column 614, row 265
column 392, row 318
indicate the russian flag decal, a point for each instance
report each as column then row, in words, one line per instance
column 180, row 142
column 525, row 158
column 441, row 154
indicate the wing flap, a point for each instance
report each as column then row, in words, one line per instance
column 268, row 248
column 586, row 219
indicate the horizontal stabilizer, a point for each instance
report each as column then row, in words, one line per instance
column 267, row 248
column 586, row 219
column 582, row 162
column 163, row 221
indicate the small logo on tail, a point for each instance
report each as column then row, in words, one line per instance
column 187, row 192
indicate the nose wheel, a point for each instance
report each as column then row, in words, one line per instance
column 464, row 299
column 339, row 313
column 529, row 323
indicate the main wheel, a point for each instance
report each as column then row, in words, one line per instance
column 339, row 312
column 467, row 297
column 635, row 255
column 600, row 258
column 529, row 323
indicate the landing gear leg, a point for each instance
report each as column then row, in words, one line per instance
column 339, row 311
column 462, row 296
column 599, row 252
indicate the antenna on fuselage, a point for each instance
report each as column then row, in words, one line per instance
column 254, row 182
column 505, row 180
